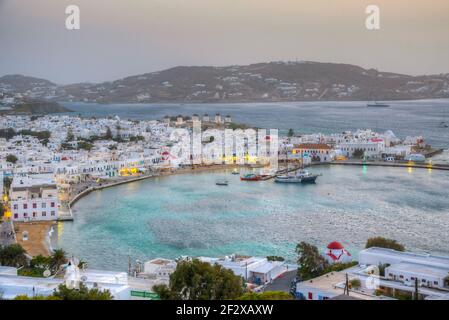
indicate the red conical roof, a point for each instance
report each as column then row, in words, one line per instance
column 335, row 246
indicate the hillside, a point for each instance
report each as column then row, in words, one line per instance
column 262, row 82
column 34, row 107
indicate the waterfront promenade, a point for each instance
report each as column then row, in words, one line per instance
column 387, row 164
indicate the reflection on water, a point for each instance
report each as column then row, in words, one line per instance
column 189, row 215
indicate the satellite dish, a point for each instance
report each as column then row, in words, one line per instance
column 83, row 278
column 47, row 273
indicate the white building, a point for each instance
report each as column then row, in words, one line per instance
column 336, row 253
column 12, row 285
column 160, row 268
column 372, row 149
column 34, row 198
column 406, row 267
column 253, row 269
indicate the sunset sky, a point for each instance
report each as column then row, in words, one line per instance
column 125, row 37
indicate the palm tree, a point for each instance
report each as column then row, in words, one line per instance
column 82, row 264
column 58, row 258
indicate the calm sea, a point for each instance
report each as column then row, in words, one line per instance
column 405, row 118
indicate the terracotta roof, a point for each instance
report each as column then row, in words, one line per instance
column 313, row 146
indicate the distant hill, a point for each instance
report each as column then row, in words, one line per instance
column 19, row 83
column 262, row 82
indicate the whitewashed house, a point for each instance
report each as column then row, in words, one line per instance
column 33, row 198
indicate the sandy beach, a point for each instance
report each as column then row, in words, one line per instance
column 37, row 242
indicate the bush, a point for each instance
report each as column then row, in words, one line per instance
column 355, row 283
column 275, row 258
column 384, row 243
column 268, row 295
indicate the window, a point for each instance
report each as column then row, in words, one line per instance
column 34, row 214
column 25, row 206
column 16, row 207
column 423, row 280
column 34, row 205
column 53, row 213
column 401, row 276
column 310, row 296
column 44, row 205
column 435, row 283
column 25, row 215
column 44, row 214
column 16, row 216
column 52, row 204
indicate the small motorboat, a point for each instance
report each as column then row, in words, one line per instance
column 235, row 171
column 303, row 176
column 287, row 179
column 222, row 182
column 250, row 177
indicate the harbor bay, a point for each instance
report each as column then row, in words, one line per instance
column 188, row 214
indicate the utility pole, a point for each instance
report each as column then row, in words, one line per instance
column 346, row 291
column 416, row 289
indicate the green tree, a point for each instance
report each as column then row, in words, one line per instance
column 108, row 135
column 85, row 145
column 11, row 158
column 267, row 295
column 70, row 136
column 384, row 243
column 83, row 293
column 311, row 263
column 38, row 297
column 57, row 259
column 290, row 133
column 2, row 208
column 13, row 256
column 196, row 280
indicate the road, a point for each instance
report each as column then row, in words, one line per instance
column 7, row 236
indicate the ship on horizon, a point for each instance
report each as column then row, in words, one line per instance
column 376, row 104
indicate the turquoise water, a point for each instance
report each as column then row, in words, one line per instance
column 189, row 215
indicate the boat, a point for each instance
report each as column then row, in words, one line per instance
column 222, row 182
column 250, row 177
column 378, row 105
column 287, row 179
column 235, row 171
column 303, row 176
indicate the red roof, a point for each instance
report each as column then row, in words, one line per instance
column 335, row 246
column 313, row 146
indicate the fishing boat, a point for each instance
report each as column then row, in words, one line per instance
column 287, row 179
column 307, row 177
column 250, row 177
column 222, row 182
column 302, row 176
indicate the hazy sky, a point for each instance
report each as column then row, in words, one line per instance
column 125, row 37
